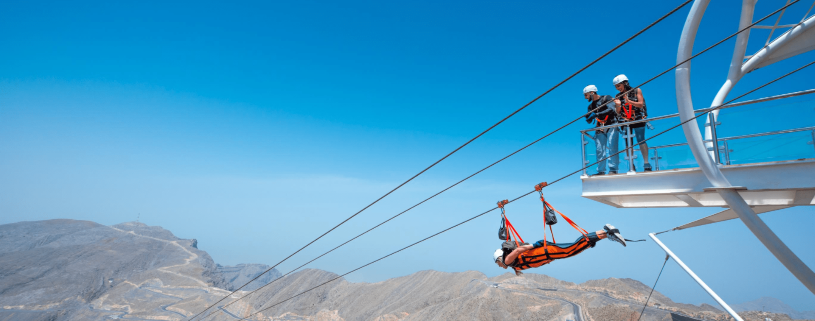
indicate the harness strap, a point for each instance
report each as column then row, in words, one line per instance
column 513, row 231
column 572, row 223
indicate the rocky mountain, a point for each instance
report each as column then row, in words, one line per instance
column 773, row 305
column 79, row 270
column 238, row 275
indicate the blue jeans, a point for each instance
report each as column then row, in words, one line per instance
column 606, row 143
column 592, row 239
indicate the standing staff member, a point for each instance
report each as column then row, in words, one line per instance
column 631, row 107
column 605, row 140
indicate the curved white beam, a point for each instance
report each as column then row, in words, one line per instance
column 735, row 73
column 683, row 96
column 712, row 172
column 796, row 41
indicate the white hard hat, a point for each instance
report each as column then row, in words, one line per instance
column 589, row 89
column 497, row 255
column 620, row 78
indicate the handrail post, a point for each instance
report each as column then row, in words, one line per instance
column 696, row 278
column 655, row 158
column 813, row 138
column 726, row 151
column 583, row 160
column 714, row 138
column 629, row 139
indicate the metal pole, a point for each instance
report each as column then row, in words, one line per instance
column 712, row 121
column 726, row 152
column 696, row 278
column 685, row 107
column 583, row 152
column 813, row 138
column 656, row 157
column 764, row 234
column 629, row 150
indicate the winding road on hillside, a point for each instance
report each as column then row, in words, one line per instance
column 578, row 310
column 166, row 269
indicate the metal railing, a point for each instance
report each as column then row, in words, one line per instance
column 724, row 149
column 721, row 154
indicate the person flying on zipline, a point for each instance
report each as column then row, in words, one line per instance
column 535, row 255
column 519, row 256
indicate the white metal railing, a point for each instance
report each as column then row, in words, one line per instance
column 721, row 154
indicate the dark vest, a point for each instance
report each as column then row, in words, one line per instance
column 606, row 115
column 628, row 112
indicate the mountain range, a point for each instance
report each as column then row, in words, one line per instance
column 80, row 270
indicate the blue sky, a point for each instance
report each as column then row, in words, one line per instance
column 256, row 126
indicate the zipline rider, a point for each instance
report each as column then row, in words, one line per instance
column 520, row 256
column 606, row 141
column 541, row 253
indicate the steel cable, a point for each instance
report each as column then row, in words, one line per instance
column 502, row 159
column 533, row 191
column 456, row 150
column 654, row 287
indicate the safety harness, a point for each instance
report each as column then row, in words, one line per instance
column 629, row 113
column 533, row 258
column 602, row 122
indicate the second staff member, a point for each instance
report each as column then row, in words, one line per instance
column 631, row 107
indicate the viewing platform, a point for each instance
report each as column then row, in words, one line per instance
column 770, row 170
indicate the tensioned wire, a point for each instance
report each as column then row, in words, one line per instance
column 456, row 150
column 533, row 191
column 502, row 159
column 654, row 287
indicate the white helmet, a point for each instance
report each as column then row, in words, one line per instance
column 620, row 78
column 589, row 89
column 497, row 255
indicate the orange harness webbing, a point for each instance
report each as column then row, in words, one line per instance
column 546, row 253
column 509, row 226
column 602, row 122
column 629, row 112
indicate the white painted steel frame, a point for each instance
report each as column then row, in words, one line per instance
column 711, row 171
column 696, row 278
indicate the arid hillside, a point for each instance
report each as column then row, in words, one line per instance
column 79, row 270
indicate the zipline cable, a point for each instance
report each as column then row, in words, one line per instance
column 533, row 191
column 457, row 149
column 654, row 287
column 502, row 159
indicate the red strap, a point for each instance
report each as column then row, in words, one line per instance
column 513, row 231
column 544, row 228
column 602, row 122
column 572, row 223
column 629, row 111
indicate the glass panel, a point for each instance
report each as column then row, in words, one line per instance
column 675, row 157
column 775, row 115
column 781, row 147
column 591, row 155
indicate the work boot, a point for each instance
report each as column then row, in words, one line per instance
column 612, row 172
column 598, row 174
column 613, row 234
column 647, row 167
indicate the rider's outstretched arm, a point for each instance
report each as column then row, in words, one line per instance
column 514, row 255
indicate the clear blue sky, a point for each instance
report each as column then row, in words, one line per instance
column 255, row 127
